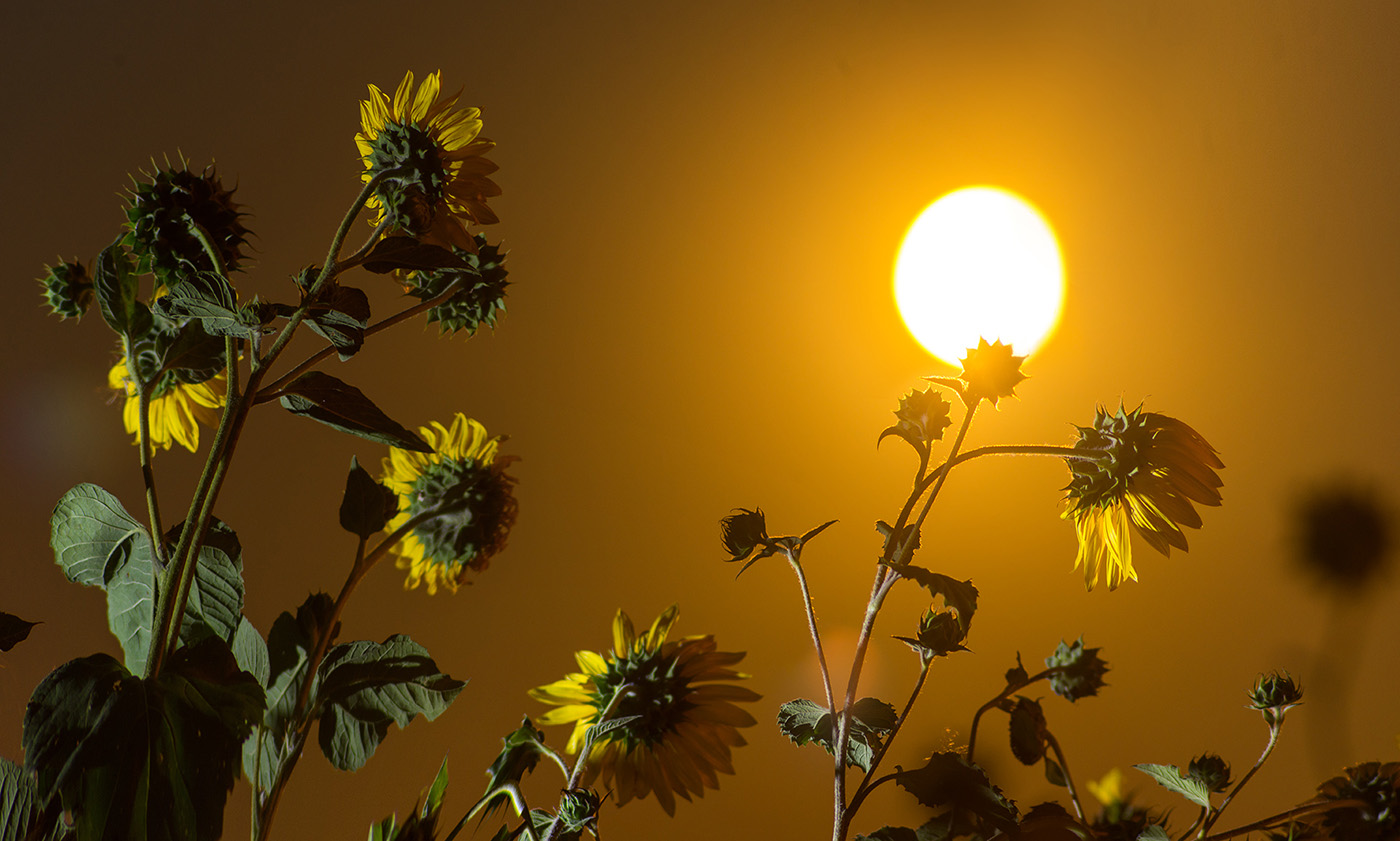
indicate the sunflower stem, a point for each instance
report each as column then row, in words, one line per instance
column 1274, row 730
column 583, row 756
column 866, row 785
column 148, row 474
column 1001, row 696
column 1069, row 778
column 795, row 561
column 1288, row 815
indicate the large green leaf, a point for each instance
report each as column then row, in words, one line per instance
column 207, row 297
column 18, row 796
column 114, row 279
column 1171, row 778
column 142, row 758
column 340, row 315
column 339, row 405
column 215, row 604
column 949, row 780
column 364, row 686
column 98, row 544
column 805, row 721
column 289, row 647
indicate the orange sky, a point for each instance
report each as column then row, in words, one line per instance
column 702, row 203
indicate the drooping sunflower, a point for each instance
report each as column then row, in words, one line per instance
column 465, row 481
column 176, row 408
column 1150, row 470
column 686, row 718
column 439, row 182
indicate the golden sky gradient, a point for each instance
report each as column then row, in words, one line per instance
column 702, row 203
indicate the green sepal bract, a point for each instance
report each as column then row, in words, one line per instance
column 367, row 505
column 1081, row 673
column 98, row 544
column 805, row 721
column 1171, row 778
column 340, row 315
column 363, row 686
column 19, row 795
column 948, row 779
column 13, row 630
column 115, row 280
column 121, row 752
column 341, row 406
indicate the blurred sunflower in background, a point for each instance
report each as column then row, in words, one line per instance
column 464, row 482
column 685, row 718
column 1149, row 470
column 176, row 408
column 438, row 178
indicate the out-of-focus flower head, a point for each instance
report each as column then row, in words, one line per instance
column 438, row 176
column 1377, row 785
column 1148, row 470
column 166, row 213
column 682, row 718
column 67, row 289
column 480, row 296
column 465, row 482
column 177, row 408
column 1344, row 537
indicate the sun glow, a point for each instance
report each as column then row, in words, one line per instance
column 979, row 262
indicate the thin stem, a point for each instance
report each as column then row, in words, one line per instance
column 273, row 391
column 1069, row 778
column 866, row 786
column 1290, row 814
column 1274, row 730
column 148, row 473
column 1002, row 695
column 796, row 563
column 624, row 690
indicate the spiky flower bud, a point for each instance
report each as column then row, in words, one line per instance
column 67, row 289
column 1274, row 695
column 172, row 211
column 1211, row 771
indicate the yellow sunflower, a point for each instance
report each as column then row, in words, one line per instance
column 1149, row 470
column 686, row 722
column 439, row 182
column 465, row 482
column 176, row 409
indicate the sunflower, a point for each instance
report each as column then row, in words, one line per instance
column 438, row 183
column 1149, row 470
column 176, row 409
column 466, row 483
column 685, row 722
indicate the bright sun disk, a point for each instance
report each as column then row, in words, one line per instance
column 979, row 262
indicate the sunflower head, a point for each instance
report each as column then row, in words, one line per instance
column 464, row 498
column 679, row 720
column 921, row 418
column 990, row 372
column 67, row 289
column 1376, row 785
column 167, row 210
column 177, row 408
column 481, row 290
column 429, row 156
column 1142, row 470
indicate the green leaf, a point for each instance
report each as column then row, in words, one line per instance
column 195, row 356
column 340, row 316
column 950, row 780
column 1154, row 833
column 393, row 253
column 215, row 604
column 805, row 721
column 289, row 647
column 321, row 397
column 13, row 630
column 98, row 544
column 522, row 751
column 115, row 281
column 142, row 758
column 364, row 686
column 1170, row 778
column 421, row 824
column 367, row 505
column 18, row 800
column 207, row 297
column 959, row 595
column 250, row 651
column 1054, row 774
column 1082, row 670
column 890, row 833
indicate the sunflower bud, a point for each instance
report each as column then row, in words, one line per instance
column 1378, row 787
column 1274, row 695
column 990, row 372
column 743, row 532
column 1211, row 771
column 67, row 289
column 167, row 214
column 480, row 295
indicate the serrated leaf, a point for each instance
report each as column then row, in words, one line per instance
column 289, row 647
column 215, row 604
column 1170, row 778
column 340, row 316
column 142, row 758
column 393, row 253
column 948, row 779
column 1154, row 833
column 250, row 651
column 13, row 630
column 959, row 595
column 324, row 398
column 208, row 298
column 364, row 686
column 19, row 797
column 874, row 715
column 114, row 280
column 367, row 506
column 805, row 721
column 521, row 752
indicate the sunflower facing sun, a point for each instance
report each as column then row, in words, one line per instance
column 438, row 182
column 685, row 723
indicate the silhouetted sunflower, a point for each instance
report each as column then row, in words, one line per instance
column 686, row 721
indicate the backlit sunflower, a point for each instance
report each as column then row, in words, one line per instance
column 176, row 409
column 686, row 721
column 439, row 182
column 465, row 481
column 1152, row 467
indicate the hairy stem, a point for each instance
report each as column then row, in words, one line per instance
column 794, row 559
column 866, row 785
column 1274, row 730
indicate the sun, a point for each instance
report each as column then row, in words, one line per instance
column 979, row 262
